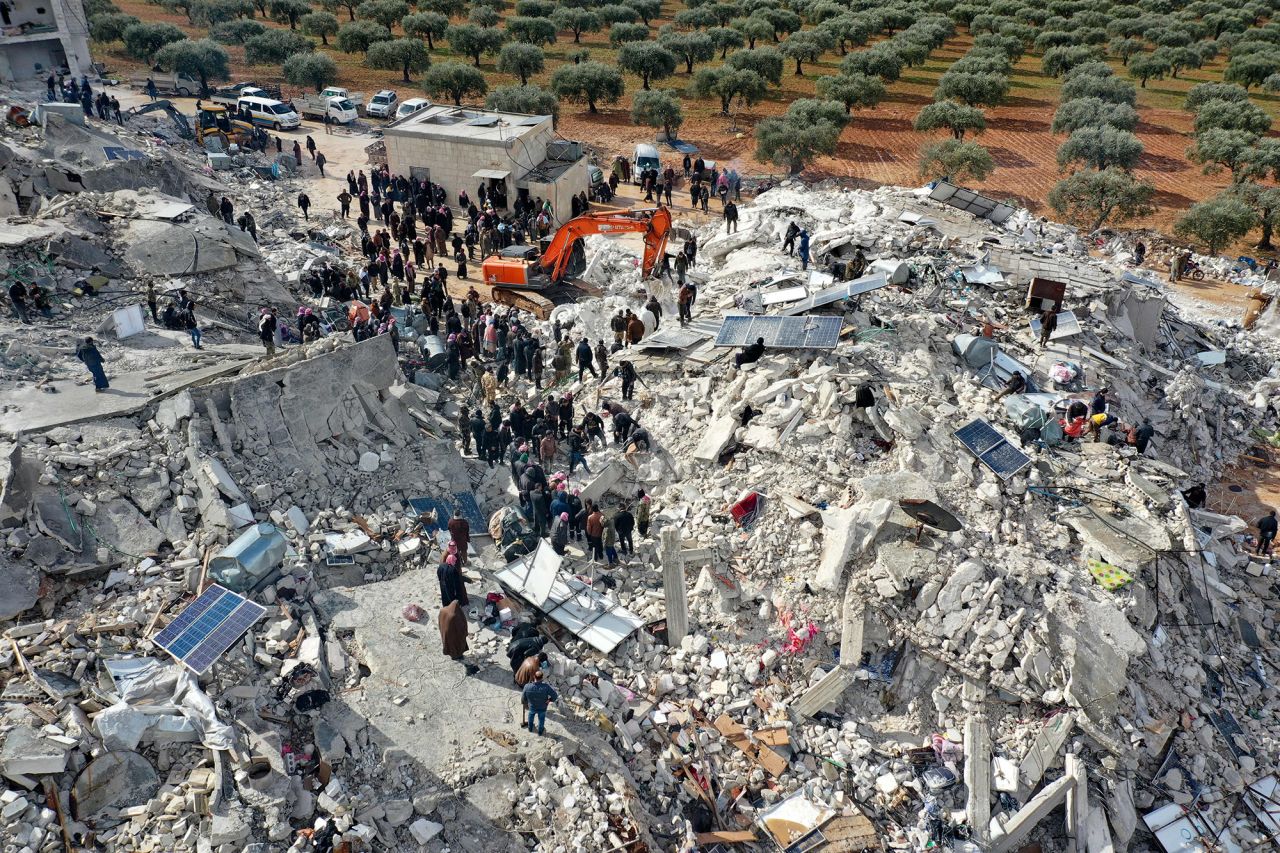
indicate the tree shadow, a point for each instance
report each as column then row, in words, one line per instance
column 1148, row 129
column 1160, row 163
column 1020, row 125
column 1016, row 101
column 900, row 97
column 1008, row 159
column 860, row 153
column 881, row 124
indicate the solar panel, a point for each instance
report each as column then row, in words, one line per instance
column 991, row 448
column 443, row 508
column 843, row 290
column 207, row 627
column 971, row 202
column 781, row 332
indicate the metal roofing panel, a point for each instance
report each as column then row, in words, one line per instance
column 594, row 618
column 495, row 174
column 843, row 290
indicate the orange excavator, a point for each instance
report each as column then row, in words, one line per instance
column 521, row 268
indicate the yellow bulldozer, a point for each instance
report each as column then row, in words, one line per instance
column 215, row 121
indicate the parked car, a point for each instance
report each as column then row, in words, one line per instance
column 338, row 108
column 383, row 104
column 167, row 83
column 411, row 106
column 269, row 112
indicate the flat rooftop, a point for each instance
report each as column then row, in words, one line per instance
column 448, row 122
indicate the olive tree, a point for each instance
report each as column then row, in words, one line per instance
column 454, row 80
column 1216, row 222
column 203, row 58
column 794, row 139
column 855, row 91
column 1093, row 112
column 470, row 40
column 657, row 109
column 576, row 21
column 273, row 47
column 521, row 60
column 357, row 36
column 535, row 31
column 531, row 100
column 1100, row 197
column 426, row 25
column 974, row 90
column 1100, row 148
column 142, row 40
column 727, row 83
column 590, row 83
column 316, row 70
column 404, row 55
column 689, row 47
column 956, row 160
column 322, row 24
column 955, row 117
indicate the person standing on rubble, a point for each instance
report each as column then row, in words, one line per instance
column 789, row 241
column 267, row 331
column 730, row 218
column 635, row 329
column 226, row 209
column 1048, row 324
column 529, row 668
column 297, row 154
column 655, row 309
column 344, row 204
column 804, row 248
column 151, row 89
column 1266, row 533
column 585, row 359
column 625, row 523
column 460, row 533
column 453, row 633
column 115, row 109
column 304, row 204
column 537, row 697
column 188, row 320
column 684, row 304
column 18, row 301
column 88, row 353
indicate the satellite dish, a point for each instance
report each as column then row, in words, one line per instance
column 929, row 514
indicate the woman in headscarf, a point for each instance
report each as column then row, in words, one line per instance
column 452, row 587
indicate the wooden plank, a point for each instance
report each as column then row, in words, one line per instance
column 725, row 837
column 775, row 765
column 774, row 737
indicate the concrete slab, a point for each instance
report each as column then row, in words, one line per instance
column 34, row 410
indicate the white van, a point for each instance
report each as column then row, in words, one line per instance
column 646, row 157
column 411, row 106
column 270, row 112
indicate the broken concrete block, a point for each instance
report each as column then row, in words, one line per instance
column 424, row 830
column 715, row 439
column 27, row 752
column 368, row 462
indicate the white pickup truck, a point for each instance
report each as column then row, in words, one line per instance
column 337, row 103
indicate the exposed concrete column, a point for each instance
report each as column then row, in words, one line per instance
column 977, row 775
column 853, row 621
column 673, row 586
column 977, row 761
column 1019, row 827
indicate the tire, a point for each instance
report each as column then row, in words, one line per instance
column 1197, row 275
column 275, row 125
column 184, row 92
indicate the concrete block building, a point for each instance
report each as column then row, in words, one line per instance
column 42, row 36
column 512, row 155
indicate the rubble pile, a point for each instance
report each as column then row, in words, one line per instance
column 840, row 618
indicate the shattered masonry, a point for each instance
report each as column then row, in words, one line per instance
column 1083, row 663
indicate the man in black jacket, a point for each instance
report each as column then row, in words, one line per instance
column 624, row 522
column 750, row 354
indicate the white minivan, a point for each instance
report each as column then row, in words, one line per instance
column 411, row 106
column 646, row 157
column 269, row 112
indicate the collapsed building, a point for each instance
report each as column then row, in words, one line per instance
column 880, row 607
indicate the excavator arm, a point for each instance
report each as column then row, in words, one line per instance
column 653, row 224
